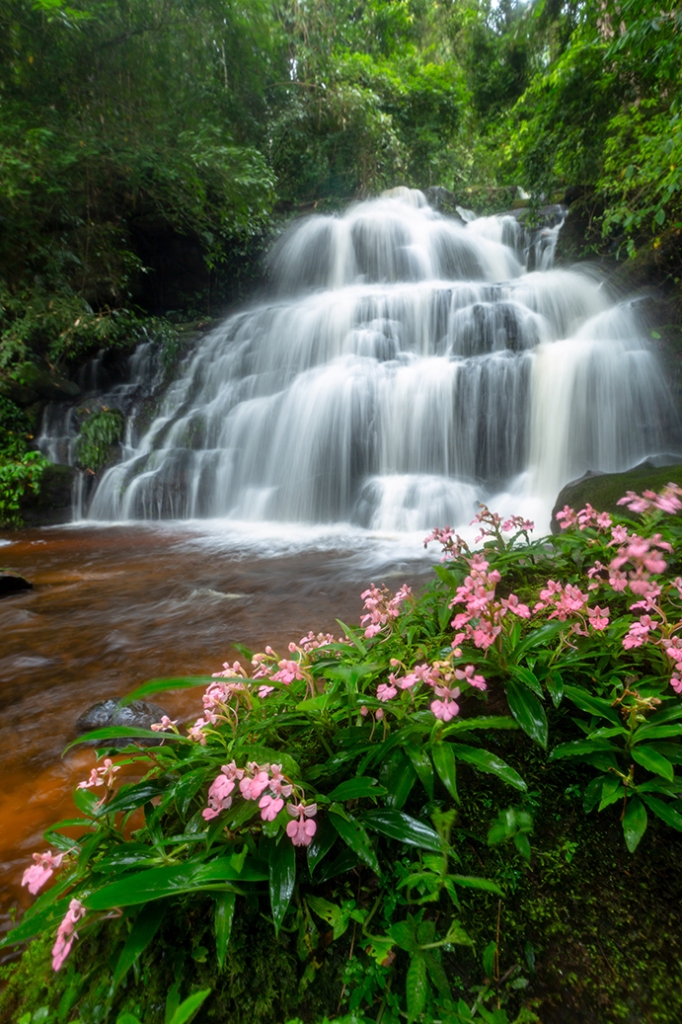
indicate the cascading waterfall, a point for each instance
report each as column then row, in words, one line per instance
column 406, row 367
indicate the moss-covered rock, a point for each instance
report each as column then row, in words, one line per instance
column 603, row 490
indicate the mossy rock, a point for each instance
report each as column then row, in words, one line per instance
column 603, row 490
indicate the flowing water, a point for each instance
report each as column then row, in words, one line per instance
column 404, row 367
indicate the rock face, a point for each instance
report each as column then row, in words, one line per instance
column 138, row 714
column 13, row 583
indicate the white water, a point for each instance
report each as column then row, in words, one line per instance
column 406, row 368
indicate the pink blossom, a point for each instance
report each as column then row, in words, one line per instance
column 301, row 831
column 103, row 776
column 386, row 692
column 252, row 788
column 219, row 796
column 270, row 807
column 567, row 517
column 673, row 648
column 164, row 724
column 599, row 617
column 512, row 604
column 45, row 866
column 448, row 707
column 196, row 732
column 379, row 714
column 676, row 683
column 381, row 606
column 288, row 671
column 619, row 535
column 467, row 675
column 230, row 671
column 66, row 933
column 667, row 501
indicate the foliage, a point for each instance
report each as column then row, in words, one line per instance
column 323, row 790
column 20, row 468
column 99, row 432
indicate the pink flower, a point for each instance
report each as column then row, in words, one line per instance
column 467, row 675
column 45, row 866
column 288, row 671
column 164, row 724
column 599, row 617
column 196, row 731
column 512, row 604
column 379, row 714
column 301, row 831
column 676, row 683
column 566, row 517
column 270, row 807
column 66, row 933
column 103, row 776
column 386, row 692
column 447, row 708
column 251, row 789
column 219, row 796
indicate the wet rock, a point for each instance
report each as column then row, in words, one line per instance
column 52, row 504
column 138, row 714
column 13, row 583
column 441, row 199
column 602, row 490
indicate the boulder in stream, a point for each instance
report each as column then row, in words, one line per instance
column 12, row 583
column 138, row 714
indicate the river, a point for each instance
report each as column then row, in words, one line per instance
column 114, row 606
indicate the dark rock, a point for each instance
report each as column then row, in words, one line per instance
column 52, row 504
column 46, row 384
column 441, row 199
column 13, row 583
column 602, row 490
column 138, row 714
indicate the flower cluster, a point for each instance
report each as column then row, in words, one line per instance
column 667, row 501
column 103, row 776
column 453, row 545
column 481, row 621
column 266, row 784
column 440, row 677
column 44, row 867
column 569, row 602
column 382, row 607
column 494, row 526
column 587, row 517
column 66, row 933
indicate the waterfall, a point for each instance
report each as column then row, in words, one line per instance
column 405, row 366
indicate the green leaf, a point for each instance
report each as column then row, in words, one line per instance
column 555, row 688
column 421, row 762
column 664, row 811
column 473, row 882
column 400, row 826
column 634, row 823
column 143, row 931
column 130, row 797
column 330, row 913
column 528, row 712
column 578, row 748
column 354, row 789
column 446, row 766
column 161, row 685
column 524, row 675
column 594, row 705
column 171, row 881
column 37, row 923
column 354, row 836
column 537, row 638
column 416, row 987
column 117, row 732
column 282, row 878
column 489, row 960
column 224, row 915
column 656, row 732
column 612, row 790
column 488, row 762
column 189, row 1007
column 322, row 842
column 400, row 782
column 651, row 759
column 404, row 934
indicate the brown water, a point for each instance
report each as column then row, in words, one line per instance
column 115, row 606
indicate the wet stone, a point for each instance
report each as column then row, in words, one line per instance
column 13, row 583
column 138, row 714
